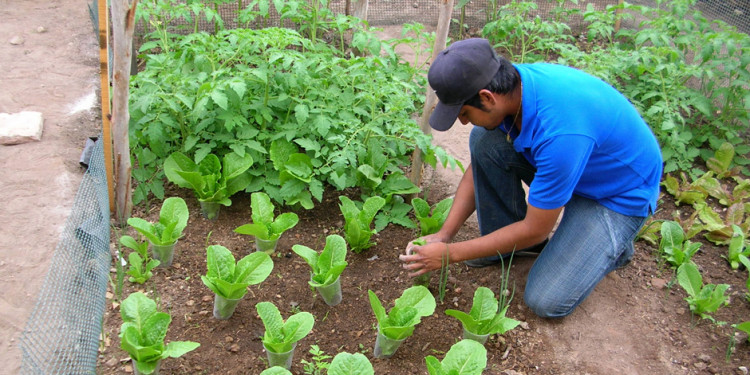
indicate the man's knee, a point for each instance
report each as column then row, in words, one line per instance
column 547, row 306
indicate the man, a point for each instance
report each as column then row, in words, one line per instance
column 574, row 140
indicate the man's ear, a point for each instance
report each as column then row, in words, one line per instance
column 487, row 97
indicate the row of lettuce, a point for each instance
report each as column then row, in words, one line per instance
column 144, row 328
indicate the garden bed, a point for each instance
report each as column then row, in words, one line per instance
column 631, row 310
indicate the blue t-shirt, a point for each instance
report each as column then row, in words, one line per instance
column 586, row 138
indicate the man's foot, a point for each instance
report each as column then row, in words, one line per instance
column 532, row 251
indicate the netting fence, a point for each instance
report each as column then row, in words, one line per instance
column 62, row 333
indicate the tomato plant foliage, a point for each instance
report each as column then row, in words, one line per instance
column 303, row 111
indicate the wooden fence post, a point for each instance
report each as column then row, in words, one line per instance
column 123, row 28
column 441, row 36
column 104, row 75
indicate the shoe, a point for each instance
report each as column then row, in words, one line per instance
column 532, row 251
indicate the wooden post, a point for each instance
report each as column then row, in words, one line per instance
column 360, row 9
column 618, row 15
column 104, row 74
column 441, row 36
column 123, row 28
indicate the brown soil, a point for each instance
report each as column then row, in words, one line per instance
column 631, row 324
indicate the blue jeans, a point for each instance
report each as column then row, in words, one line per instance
column 590, row 241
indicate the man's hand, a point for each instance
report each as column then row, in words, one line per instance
column 424, row 258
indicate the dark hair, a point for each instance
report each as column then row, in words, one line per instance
column 505, row 81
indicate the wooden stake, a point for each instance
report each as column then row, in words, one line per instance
column 104, row 74
column 441, row 36
column 123, row 28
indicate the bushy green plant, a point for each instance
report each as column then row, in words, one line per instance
column 674, row 247
column 140, row 264
column 211, row 179
column 431, row 219
column 301, row 111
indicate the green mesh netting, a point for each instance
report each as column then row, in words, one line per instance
column 62, row 333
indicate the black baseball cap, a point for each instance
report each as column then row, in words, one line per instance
column 457, row 74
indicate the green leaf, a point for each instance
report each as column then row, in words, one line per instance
column 466, row 357
column 176, row 349
column 350, row 364
column 690, row 278
column 253, row 268
column 419, row 298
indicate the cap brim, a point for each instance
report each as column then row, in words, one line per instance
column 444, row 116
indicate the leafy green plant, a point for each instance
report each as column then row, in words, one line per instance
column 744, row 327
column 173, row 218
column 211, row 179
column 399, row 323
column 466, row 357
column 737, row 246
column 264, row 225
column 329, row 264
column 431, row 219
column 229, row 279
column 143, row 331
column 280, row 336
column 138, row 260
column 300, row 110
column 276, row 370
column 319, row 364
column 357, row 221
column 703, row 299
column 350, row 364
column 485, row 318
column 674, row 247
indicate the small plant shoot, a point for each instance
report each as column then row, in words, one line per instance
column 674, row 247
column 265, row 226
column 173, row 219
column 703, row 299
column 431, row 220
column 139, row 261
column 485, row 318
column 466, row 357
column 143, row 331
column 329, row 264
column 399, row 323
column 280, row 336
column 229, row 279
column 358, row 221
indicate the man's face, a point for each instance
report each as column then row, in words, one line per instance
column 495, row 109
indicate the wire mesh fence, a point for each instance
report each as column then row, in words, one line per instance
column 62, row 333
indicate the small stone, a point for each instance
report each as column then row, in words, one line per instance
column 41, row 29
column 701, row 365
column 16, row 40
column 705, row 358
column 112, row 362
column 128, row 369
column 525, row 326
column 234, row 348
column 415, row 5
column 458, row 290
column 658, row 283
column 207, row 298
column 228, row 339
column 203, row 312
column 743, row 370
column 190, row 303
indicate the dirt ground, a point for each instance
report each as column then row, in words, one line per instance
column 631, row 324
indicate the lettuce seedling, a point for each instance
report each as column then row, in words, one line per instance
column 264, row 226
column 466, row 357
column 737, row 247
column 329, row 264
column 398, row 324
column 281, row 335
column 703, row 299
column 142, row 333
column 230, row 280
column 357, row 227
column 430, row 221
column 350, row 364
column 173, row 219
column 211, row 180
column 139, row 261
column 674, row 247
column 484, row 317
column 276, row 370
